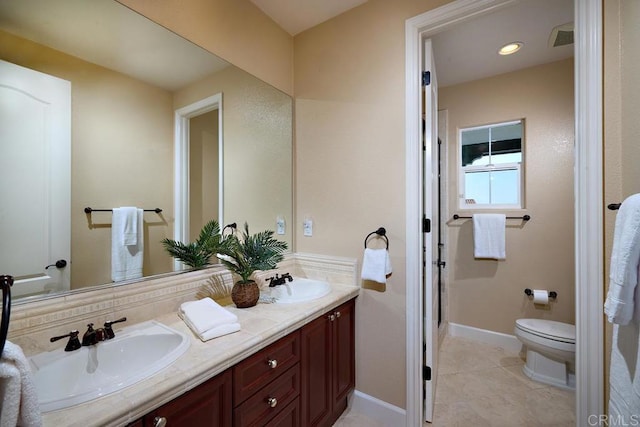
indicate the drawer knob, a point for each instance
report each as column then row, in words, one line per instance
column 272, row 402
column 332, row 317
column 159, row 422
column 273, row 363
column 338, row 314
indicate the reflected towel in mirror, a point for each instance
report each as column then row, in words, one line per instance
column 126, row 258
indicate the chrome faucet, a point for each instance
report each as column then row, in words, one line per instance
column 279, row 280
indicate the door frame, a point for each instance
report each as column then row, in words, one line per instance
column 181, row 165
column 588, row 190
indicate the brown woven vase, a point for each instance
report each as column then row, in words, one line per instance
column 245, row 295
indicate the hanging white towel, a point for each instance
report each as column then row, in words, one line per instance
column 624, row 375
column 207, row 319
column 129, row 225
column 489, row 236
column 625, row 260
column 18, row 396
column 127, row 258
column 376, row 265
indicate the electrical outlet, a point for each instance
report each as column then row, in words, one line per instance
column 280, row 225
column 307, row 227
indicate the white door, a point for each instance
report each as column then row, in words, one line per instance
column 429, row 243
column 35, row 184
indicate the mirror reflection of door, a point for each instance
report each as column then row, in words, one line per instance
column 35, row 147
column 203, row 171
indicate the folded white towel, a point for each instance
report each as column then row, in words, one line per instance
column 205, row 314
column 489, row 236
column 376, row 265
column 18, row 396
column 625, row 260
column 126, row 259
column 218, row 331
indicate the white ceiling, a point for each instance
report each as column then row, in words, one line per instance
column 108, row 34
column 134, row 45
column 469, row 51
column 465, row 52
column 295, row 16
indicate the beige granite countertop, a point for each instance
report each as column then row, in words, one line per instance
column 260, row 326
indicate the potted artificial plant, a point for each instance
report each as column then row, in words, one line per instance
column 198, row 254
column 244, row 256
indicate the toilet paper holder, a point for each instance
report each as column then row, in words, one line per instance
column 552, row 294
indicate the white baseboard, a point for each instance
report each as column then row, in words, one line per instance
column 377, row 409
column 506, row 341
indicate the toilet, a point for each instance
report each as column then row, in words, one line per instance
column 551, row 351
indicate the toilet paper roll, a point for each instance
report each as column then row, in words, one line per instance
column 540, row 296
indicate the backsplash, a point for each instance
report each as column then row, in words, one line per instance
column 34, row 323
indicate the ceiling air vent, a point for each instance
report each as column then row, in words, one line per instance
column 561, row 35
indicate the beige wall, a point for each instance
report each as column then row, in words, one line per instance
column 121, row 155
column 621, row 125
column 540, row 253
column 204, row 173
column 235, row 30
column 257, row 148
column 350, row 166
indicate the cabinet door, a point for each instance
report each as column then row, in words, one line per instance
column 343, row 355
column 209, row 404
column 315, row 365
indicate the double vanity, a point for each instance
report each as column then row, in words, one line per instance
column 292, row 363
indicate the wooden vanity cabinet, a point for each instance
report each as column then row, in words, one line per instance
column 327, row 365
column 303, row 379
column 209, row 404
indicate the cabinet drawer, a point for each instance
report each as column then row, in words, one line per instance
column 260, row 408
column 288, row 416
column 256, row 371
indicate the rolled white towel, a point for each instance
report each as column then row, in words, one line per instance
column 205, row 314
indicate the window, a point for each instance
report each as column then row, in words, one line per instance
column 491, row 166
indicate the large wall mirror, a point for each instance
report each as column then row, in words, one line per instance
column 128, row 78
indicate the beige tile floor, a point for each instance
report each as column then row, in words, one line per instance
column 482, row 385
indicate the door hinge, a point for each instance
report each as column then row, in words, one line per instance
column 426, row 225
column 426, row 373
column 426, row 78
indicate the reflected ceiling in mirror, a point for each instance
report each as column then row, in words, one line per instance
column 128, row 77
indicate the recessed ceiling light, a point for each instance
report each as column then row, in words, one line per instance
column 510, row 48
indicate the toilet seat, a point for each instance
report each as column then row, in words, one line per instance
column 551, row 349
column 548, row 329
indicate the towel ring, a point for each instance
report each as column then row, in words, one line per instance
column 381, row 232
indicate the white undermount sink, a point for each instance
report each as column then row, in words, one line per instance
column 298, row 290
column 137, row 352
